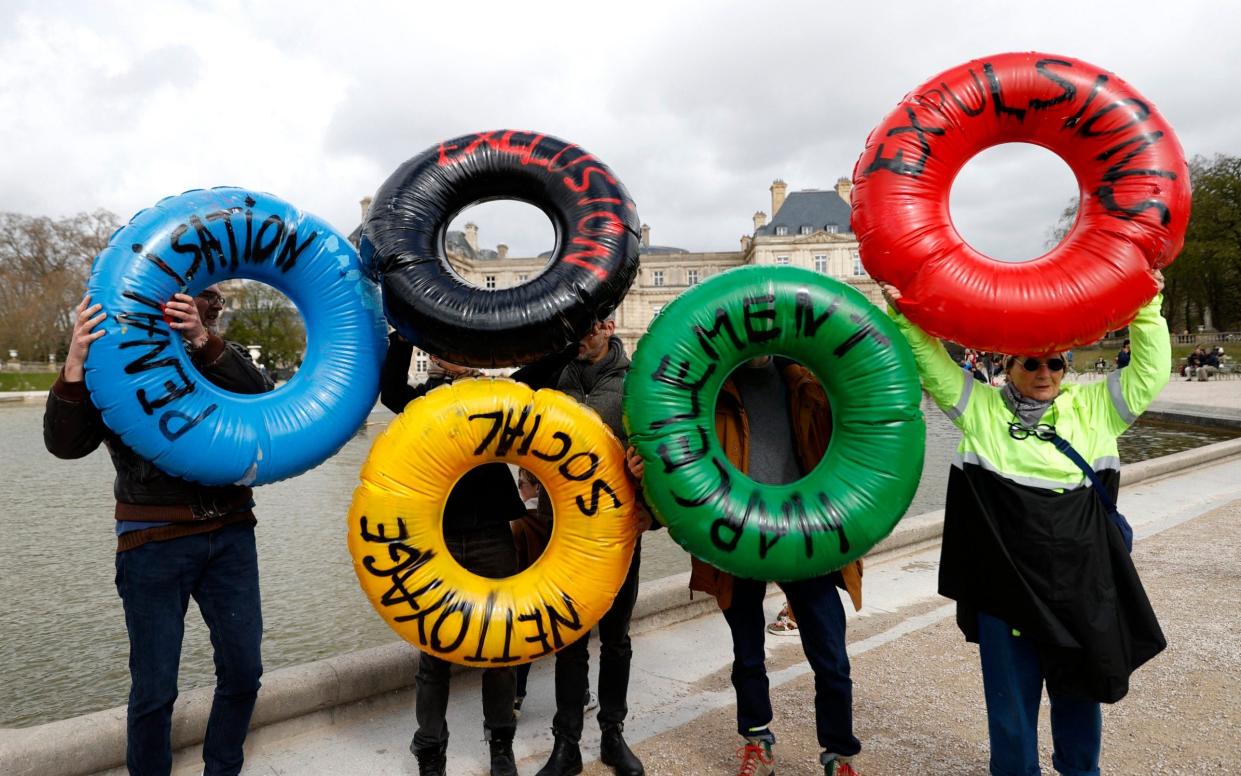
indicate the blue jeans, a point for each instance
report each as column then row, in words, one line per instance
column 1012, row 678
column 155, row 581
column 821, row 624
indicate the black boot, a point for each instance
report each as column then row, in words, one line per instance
column 433, row 760
column 617, row 755
column 502, row 761
column 565, row 759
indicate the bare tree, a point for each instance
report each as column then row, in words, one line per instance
column 261, row 315
column 44, row 265
column 1063, row 224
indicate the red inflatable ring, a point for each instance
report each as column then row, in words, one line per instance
column 1134, row 207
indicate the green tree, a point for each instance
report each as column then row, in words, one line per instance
column 261, row 315
column 1063, row 224
column 44, row 264
column 1207, row 275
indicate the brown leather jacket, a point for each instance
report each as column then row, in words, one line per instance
column 812, row 427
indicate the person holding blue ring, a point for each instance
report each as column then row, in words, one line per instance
column 143, row 379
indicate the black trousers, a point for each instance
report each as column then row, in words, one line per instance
column 488, row 552
column 573, row 664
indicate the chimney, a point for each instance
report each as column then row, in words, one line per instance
column 746, row 242
column 471, row 236
column 760, row 219
column 778, row 190
column 501, row 251
column 646, row 236
column 365, row 202
column 844, row 187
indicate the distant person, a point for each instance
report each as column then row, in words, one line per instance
column 1193, row 362
column 1033, row 551
column 1122, row 358
column 998, row 373
column 1209, row 367
column 530, row 535
column 981, row 368
column 476, row 530
column 1100, row 365
column 785, row 623
column 176, row 540
column 967, row 360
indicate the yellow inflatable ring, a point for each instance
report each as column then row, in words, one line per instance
column 396, row 533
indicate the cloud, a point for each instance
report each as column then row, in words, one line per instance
column 697, row 106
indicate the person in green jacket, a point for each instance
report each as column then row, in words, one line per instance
column 1034, row 557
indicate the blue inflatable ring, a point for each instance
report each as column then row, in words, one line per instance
column 140, row 375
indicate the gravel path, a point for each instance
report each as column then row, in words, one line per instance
column 918, row 701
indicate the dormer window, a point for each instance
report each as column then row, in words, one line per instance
column 781, row 231
column 806, row 229
column 832, row 229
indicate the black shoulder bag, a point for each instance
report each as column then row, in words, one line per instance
column 1047, row 433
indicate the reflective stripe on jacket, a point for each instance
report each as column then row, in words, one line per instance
column 1089, row 416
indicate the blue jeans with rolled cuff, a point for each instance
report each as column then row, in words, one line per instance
column 821, row 625
column 1012, row 678
column 156, row 580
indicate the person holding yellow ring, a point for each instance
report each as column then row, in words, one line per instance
column 476, row 529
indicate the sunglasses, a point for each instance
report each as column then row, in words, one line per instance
column 1043, row 431
column 1032, row 364
column 212, row 298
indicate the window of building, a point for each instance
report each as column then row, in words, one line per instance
column 782, row 259
column 522, row 278
column 656, row 308
column 489, row 281
column 782, row 230
column 820, row 263
column 657, row 277
column 806, row 229
column 420, row 363
column 832, row 229
column 858, row 269
column 691, row 277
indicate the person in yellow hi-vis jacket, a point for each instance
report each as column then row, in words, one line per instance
column 1034, row 551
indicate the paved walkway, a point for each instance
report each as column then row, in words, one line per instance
column 918, row 694
column 1213, row 393
column 1216, row 397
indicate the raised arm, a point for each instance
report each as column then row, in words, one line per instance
column 1133, row 388
column 72, row 426
column 947, row 383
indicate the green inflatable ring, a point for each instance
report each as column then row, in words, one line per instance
column 865, row 481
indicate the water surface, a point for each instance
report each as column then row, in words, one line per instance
column 63, row 646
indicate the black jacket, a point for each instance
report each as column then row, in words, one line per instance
column 486, row 497
column 598, row 386
column 1053, row 566
column 73, row 428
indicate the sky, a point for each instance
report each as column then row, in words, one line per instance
column 696, row 106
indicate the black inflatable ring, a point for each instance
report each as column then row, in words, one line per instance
column 593, row 265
